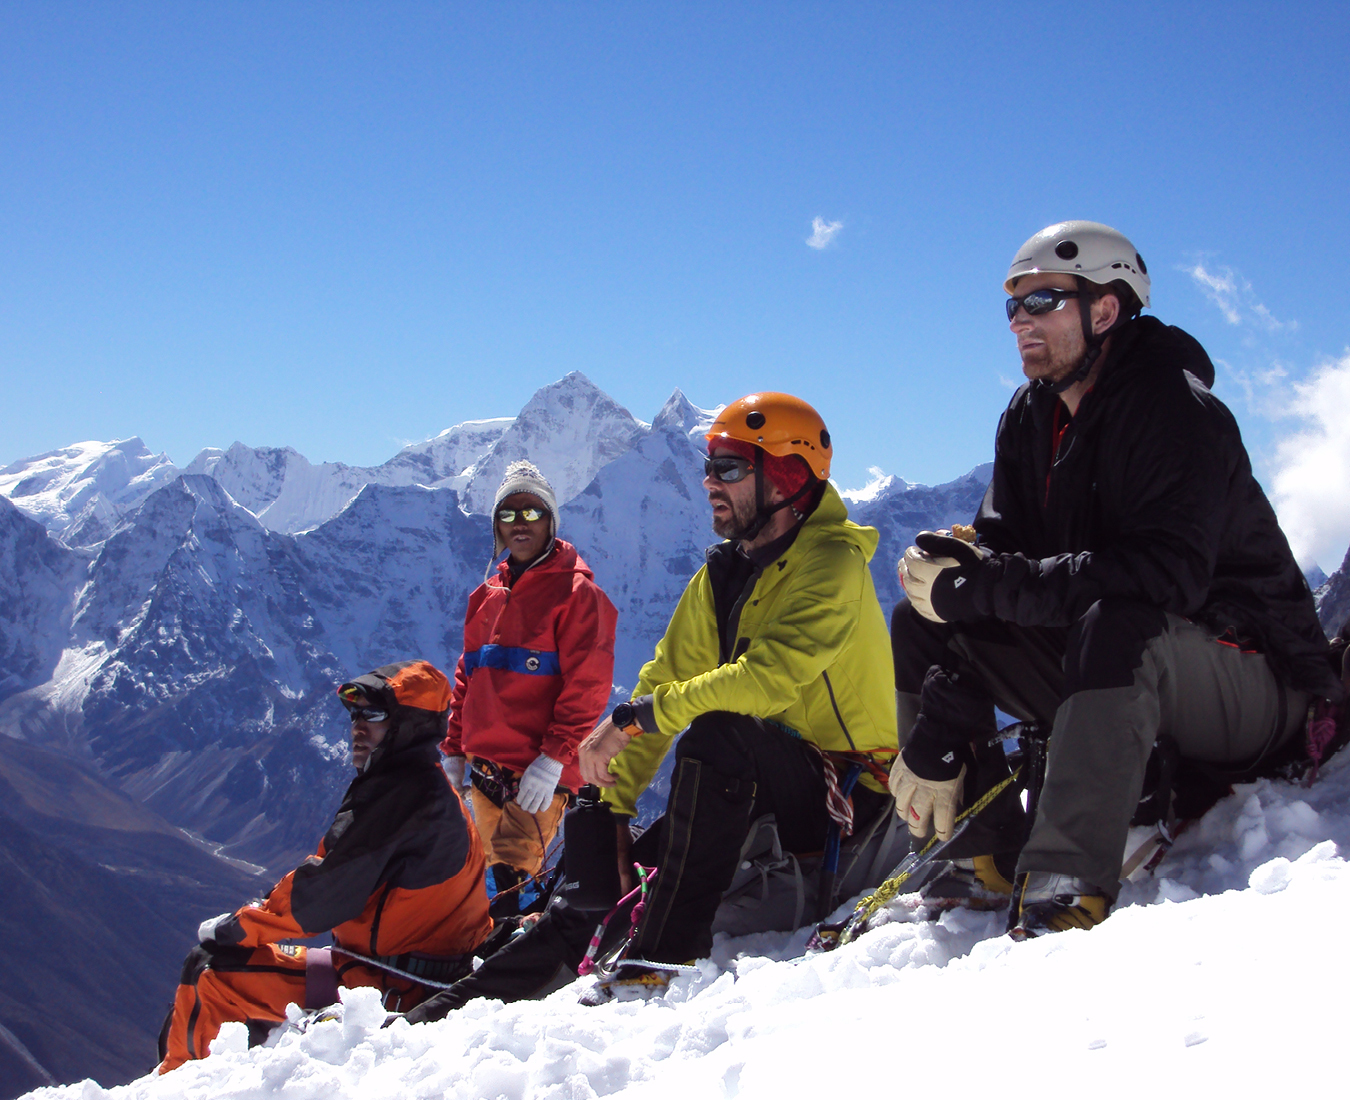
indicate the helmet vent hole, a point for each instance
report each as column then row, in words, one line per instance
column 1066, row 250
column 1140, row 261
column 824, row 439
column 754, row 420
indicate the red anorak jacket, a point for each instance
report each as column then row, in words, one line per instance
column 537, row 668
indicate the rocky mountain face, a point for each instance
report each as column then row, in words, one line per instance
column 101, row 898
column 38, row 577
column 1333, row 600
column 570, row 430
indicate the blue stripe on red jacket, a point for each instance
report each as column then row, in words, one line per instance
column 510, row 658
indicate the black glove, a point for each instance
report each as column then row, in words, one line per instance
column 957, row 593
column 954, row 711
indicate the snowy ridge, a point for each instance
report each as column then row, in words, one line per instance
column 290, row 494
column 86, row 484
column 570, row 430
column 1214, row 977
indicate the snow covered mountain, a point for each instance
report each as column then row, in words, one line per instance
column 288, row 493
column 190, row 654
column 38, row 576
column 80, row 492
column 1333, row 599
column 570, row 430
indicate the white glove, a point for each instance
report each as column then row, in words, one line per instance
column 918, row 801
column 538, row 783
column 454, row 770
column 918, row 569
column 206, row 931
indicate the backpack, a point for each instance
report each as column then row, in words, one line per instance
column 778, row 891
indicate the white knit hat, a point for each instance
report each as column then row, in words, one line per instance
column 523, row 477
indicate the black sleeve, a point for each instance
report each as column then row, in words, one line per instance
column 1166, row 483
column 412, row 836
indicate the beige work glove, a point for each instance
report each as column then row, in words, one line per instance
column 918, row 570
column 919, row 801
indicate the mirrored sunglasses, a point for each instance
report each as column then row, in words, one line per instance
column 1039, row 301
column 368, row 714
column 728, row 468
column 529, row 515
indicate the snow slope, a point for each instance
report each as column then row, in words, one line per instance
column 1223, row 975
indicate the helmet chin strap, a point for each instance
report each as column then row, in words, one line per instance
column 1093, row 341
column 764, row 512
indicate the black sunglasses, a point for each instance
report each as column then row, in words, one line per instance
column 1037, row 302
column 368, row 714
column 529, row 515
column 728, row 468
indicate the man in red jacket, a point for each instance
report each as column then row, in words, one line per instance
column 535, row 677
column 398, row 879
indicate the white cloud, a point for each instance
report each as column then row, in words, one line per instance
column 823, row 232
column 1311, row 487
column 1235, row 298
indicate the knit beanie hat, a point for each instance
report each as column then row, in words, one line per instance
column 523, row 477
column 788, row 472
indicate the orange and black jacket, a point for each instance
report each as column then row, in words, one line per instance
column 401, row 868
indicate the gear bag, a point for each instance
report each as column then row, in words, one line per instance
column 777, row 891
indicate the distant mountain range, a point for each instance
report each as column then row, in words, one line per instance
column 174, row 636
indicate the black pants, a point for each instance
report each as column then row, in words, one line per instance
column 730, row 770
column 1108, row 687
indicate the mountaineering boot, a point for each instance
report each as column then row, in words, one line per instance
column 1056, row 903
column 975, row 883
column 631, row 982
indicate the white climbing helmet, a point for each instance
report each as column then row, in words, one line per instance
column 1091, row 250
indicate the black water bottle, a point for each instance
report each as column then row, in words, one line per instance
column 590, row 854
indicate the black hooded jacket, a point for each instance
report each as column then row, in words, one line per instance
column 1150, row 497
column 401, row 868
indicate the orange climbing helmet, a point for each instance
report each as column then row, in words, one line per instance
column 779, row 423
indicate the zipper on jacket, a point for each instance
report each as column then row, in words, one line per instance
column 830, row 688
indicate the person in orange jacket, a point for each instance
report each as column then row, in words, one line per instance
column 398, row 879
column 535, row 676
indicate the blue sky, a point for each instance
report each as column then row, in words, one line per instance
column 342, row 227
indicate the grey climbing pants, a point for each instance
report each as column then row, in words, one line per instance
column 1123, row 675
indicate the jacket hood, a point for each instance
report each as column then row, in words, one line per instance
column 1162, row 347
column 417, row 696
column 830, row 521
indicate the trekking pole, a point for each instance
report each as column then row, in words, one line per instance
column 827, row 937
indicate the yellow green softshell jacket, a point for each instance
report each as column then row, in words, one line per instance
column 814, row 655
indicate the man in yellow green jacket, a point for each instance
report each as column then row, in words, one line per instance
column 775, row 665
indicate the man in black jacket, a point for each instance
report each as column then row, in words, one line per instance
column 1130, row 580
column 397, row 879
